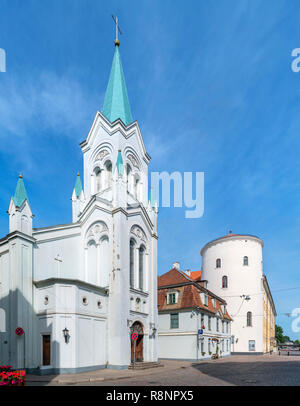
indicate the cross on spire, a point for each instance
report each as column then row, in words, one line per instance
column 117, row 42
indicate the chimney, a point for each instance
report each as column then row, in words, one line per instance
column 176, row 265
column 188, row 272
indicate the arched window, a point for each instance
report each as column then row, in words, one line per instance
column 108, row 167
column 105, row 263
column 92, row 262
column 224, row 282
column 245, row 261
column 97, row 174
column 218, row 263
column 131, row 181
column 24, row 224
column 2, row 321
column 137, row 187
column 141, row 267
column 249, row 319
column 131, row 263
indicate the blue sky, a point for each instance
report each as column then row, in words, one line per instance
column 211, row 85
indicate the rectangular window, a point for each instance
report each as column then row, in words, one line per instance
column 251, row 345
column 205, row 300
column 46, row 349
column 217, row 324
column 227, row 345
column 174, row 320
column 227, row 326
column 222, row 326
column 202, row 320
column 209, row 322
column 172, row 298
column 209, row 349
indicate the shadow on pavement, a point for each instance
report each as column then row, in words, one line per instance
column 277, row 373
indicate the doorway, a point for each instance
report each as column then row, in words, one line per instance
column 46, row 349
column 137, row 328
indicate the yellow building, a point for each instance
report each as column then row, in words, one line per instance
column 269, row 314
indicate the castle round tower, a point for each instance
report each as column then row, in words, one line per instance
column 232, row 265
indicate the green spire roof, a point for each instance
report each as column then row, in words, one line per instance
column 116, row 104
column 78, row 186
column 20, row 193
column 120, row 165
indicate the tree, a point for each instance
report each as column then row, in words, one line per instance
column 297, row 342
column 279, row 334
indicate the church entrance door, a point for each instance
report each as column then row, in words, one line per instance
column 137, row 328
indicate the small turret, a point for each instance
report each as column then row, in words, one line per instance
column 20, row 214
column 77, row 199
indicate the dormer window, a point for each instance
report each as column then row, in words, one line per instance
column 205, row 300
column 218, row 263
column 172, row 298
column 214, row 302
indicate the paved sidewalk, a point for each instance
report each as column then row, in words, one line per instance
column 103, row 374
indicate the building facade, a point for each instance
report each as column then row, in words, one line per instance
column 79, row 290
column 233, row 267
column 269, row 313
column 193, row 322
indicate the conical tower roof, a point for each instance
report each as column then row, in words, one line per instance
column 20, row 193
column 116, row 103
column 78, row 186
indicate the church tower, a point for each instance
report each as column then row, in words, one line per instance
column 79, row 290
column 115, row 203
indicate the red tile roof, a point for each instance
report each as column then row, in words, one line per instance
column 196, row 275
column 188, row 293
column 172, row 277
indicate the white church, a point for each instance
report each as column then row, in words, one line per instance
column 79, row 290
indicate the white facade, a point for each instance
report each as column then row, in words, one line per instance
column 77, row 276
column 185, row 343
column 239, row 259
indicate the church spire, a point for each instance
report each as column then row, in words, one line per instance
column 116, row 103
column 20, row 193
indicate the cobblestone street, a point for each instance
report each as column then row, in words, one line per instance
column 236, row 370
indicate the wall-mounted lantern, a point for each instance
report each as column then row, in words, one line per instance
column 66, row 335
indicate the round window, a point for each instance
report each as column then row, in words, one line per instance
column 84, row 301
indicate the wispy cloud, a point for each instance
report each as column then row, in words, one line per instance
column 32, row 110
column 49, row 101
